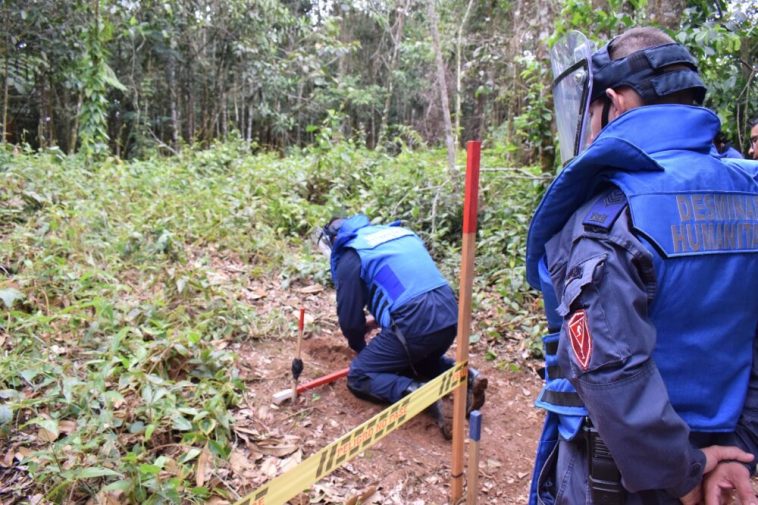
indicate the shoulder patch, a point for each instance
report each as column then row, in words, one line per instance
column 605, row 211
column 580, row 337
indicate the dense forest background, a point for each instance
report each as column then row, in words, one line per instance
column 131, row 76
column 163, row 165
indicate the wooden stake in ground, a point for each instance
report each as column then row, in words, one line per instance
column 297, row 363
column 474, row 434
column 470, row 206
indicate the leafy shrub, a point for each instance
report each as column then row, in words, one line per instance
column 115, row 322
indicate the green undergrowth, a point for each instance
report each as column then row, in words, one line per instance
column 117, row 306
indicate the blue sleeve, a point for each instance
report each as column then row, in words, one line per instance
column 733, row 153
column 747, row 427
column 605, row 281
column 351, row 298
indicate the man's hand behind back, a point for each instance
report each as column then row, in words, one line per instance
column 717, row 481
column 718, row 486
column 371, row 324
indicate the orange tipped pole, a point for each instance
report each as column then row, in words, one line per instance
column 470, row 207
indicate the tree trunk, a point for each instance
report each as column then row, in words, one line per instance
column 6, row 75
column 249, row 132
column 42, row 111
column 237, row 119
column 743, row 116
column 442, row 85
column 172, row 96
column 459, row 74
column 224, row 116
column 6, row 91
column 73, row 138
column 299, row 121
column 666, row 12
column 190, row 104
column 396, row 40
column 51, row 117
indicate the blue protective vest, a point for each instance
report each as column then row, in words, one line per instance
column 731, row 152
column 699, row 219
column 395, row 265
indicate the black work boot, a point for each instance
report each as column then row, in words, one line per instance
column 477, row 385
column 436, row 412
column 444, row 420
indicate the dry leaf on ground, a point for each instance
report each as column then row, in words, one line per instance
column 46, row 436
column 215, row 500
column 203, row 467
column 362, row 497
column 309, row 290
column 292, row 461
column 238, row 461
column 269, row 467
column 67, row 426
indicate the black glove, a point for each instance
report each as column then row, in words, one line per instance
column 297, row 368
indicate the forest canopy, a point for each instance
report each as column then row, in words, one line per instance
column 129, row 76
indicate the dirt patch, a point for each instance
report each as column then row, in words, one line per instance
column 412, row 464
column 326, row 353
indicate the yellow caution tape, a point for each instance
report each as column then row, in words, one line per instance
column 342, row 450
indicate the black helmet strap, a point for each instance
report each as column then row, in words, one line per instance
column 648, row 72
column 606, row 111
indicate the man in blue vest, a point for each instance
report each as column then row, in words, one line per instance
column 646, row 250
column 753, row 151
column 388, row 270
column 724, row 147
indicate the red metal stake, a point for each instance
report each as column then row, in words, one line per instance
column 286, row 394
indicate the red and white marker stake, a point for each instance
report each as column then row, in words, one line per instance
column 470, row 207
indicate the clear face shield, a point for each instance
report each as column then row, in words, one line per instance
column 321, row 241
column 324, row 237
column 570, row 59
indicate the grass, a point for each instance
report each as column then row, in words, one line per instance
column 122, row 284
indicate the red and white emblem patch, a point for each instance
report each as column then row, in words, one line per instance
column 581, row 339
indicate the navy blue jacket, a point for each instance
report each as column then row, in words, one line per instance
column 607, row 274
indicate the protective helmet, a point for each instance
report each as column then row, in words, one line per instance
column 648, row 71
column 328, row 233
column 582, row 75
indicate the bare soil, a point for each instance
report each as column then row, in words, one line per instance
column 409, row 466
